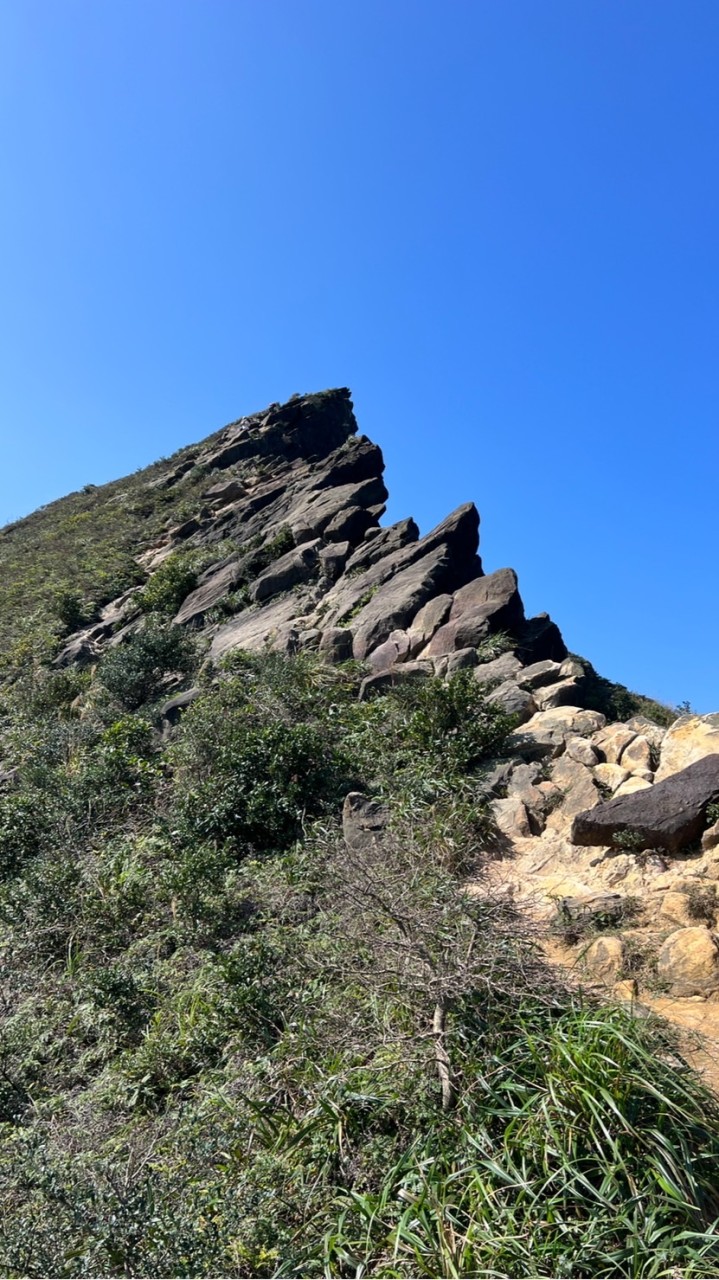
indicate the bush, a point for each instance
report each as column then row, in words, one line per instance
column 264, row 781
column 170, row 584
column 134, row 673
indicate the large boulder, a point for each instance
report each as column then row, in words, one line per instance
column 669, row 815
column 487, row 604
column 690, row 738
column 546, row 733
column 688, row 962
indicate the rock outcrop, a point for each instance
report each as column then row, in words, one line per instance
column 299, row 505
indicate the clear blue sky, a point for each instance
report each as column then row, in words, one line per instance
column 496, row 220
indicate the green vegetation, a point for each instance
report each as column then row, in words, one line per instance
column 617, row 702
column 232, row 1045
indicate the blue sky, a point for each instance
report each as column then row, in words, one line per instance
column 496, row 220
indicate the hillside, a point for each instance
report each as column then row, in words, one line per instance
column 336, row 894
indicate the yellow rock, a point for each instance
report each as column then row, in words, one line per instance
column 689, row 962
column 604, row 959
column 675, row 906
column 690, row 738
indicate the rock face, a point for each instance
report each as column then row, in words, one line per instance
column 299, row 496
column 669, row 815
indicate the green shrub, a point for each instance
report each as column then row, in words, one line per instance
column 23, row 827
column 134, row 673
column 170, row 584
column 264, row 780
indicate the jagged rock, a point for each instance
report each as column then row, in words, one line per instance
column 351, row 523
column 545, row 733
column 490, row 603
column 669, row 815
column 539, row 639
column 298, row 565
column 384, row 680
column 581, row 750
column 462, row 660
column 570, row 669
column 689, row 962
column 340, row 513
column 689, row 739
column 451, row 541
column 612, row 740
column 383, row 542
column 653, row 733
column 506, row 667
column 79, row 651
column 395, row 602
column 610, row 775
column 336, row 644
column 605, row 959
column 356, row 460
column 364, row 821
column 311, row 426
column 496, row 777
column 216, row 585
column 429, row 618
column 579, row 787
column 230, row 491
column 333, row 560
column 514, row 701
column 522, row 784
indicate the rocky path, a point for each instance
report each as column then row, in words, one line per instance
column 638, row 923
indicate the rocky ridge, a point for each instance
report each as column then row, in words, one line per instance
column 608, row 830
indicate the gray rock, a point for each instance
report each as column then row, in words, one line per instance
column 427, row 620
column 333, row 560
column 545, row 734
column 539, row 674
column 669, row 815
column 566, row 693
column 298, row 565
column 172, row 710
column 259, row 628
column 581, row 750
column 506, row 667
column 514, row 701
column 462, row 660
column 214, row 588
column 490, row 603
column 364, row 822
column 383, row 542
column 336, row 644
column 511, row 817
column 384, row 680
column 396, row 602
column 230, row 491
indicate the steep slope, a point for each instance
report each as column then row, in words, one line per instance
column 287, row 799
